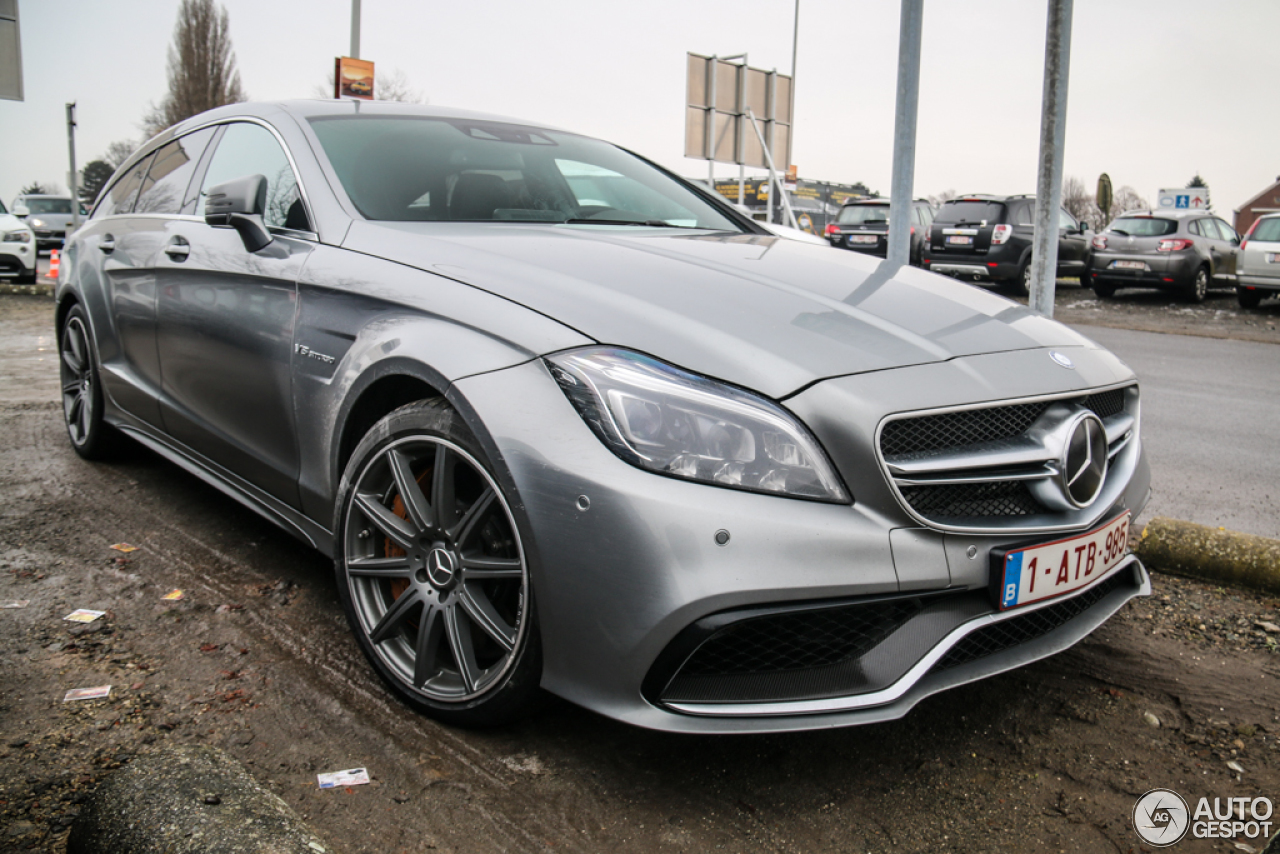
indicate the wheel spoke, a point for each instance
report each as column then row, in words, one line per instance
column 378, row 567
column 415, row 503
column 72, row 388
column 430, row 630
column 483, row 614
column 443, row 497
column 399, row 611
column 396, row 529
column 467, row 524
column 483, row 568
column 84, row 417
column 75, row 348
column 463, row 652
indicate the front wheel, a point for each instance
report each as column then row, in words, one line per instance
column 432, row 572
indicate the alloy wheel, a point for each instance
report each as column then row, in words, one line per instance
column 76, row 370
column 435, row 569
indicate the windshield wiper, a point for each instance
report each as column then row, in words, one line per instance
column 652, row 223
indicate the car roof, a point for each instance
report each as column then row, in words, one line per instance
column 856, row 202
column 1172, row 214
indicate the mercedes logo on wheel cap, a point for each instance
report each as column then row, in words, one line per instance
column 440, row 569
column 1084, row 460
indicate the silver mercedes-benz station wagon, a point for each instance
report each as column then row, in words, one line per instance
column 568, row 423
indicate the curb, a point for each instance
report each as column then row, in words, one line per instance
column 1211, row 554
column 185, row 800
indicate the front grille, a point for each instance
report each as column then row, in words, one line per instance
column 964, row 446
column 1014, row 631
column 967, row 500
column 798, row 640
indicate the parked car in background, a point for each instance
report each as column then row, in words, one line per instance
column 49, row 217
column 642, row 454
column 17, row 251
column 988, row 239
column 1258, row 267
column 863, row 226
column 1188, row 252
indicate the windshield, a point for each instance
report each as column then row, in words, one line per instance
column 1268, row 230
column 863, row 213
column 1143, row 226
column 462, row 170
column 49, row 206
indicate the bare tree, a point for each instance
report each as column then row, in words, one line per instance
column 944, row 196
column 118, row 152
column 1078, row 201
column 390, row 86
column 202, row 67
column 1127, row 199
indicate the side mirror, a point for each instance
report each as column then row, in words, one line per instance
column 239, row 204
column 21, row 211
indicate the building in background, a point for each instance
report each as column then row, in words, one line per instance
column 1268, row 201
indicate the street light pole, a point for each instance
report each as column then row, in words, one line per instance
column 904, row 132
column 1053, row 133
column 355, row 29
column 71, row 179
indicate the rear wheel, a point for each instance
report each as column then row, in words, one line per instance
column 1199, row 286
column 91, row 437
column 1104, row 290
column 1020, row 284
column 1249, row 298
column 432, row 573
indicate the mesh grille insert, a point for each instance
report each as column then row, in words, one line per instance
column 954, row 501
column 1027, row 627
column 910, row 436
column 799, row 640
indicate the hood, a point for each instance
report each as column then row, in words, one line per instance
column 761, row 312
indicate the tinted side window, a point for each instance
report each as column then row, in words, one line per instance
column 248, row 149
column 119, row 199
column 1227, row 232
column 1197, row 228
column 166, row 183
column 1065, row 220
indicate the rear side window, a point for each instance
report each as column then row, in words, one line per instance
column 119, row 199
column 1143, row 226
column 1268, row 230
column 863, row 213
column 971, row 213
column 165, row 187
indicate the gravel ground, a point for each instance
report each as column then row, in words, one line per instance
column 256, row 659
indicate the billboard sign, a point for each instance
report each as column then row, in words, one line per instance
column 1184, row 198
column 719, row 96
column 352, row 78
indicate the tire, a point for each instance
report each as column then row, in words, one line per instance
column 442, row 608
column 91, row 437
column 1020, row 285
column 1104, row 290
column 1195, row 292
column 1248, row 298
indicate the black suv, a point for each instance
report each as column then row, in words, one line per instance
column 863, row 226
column 988, row 239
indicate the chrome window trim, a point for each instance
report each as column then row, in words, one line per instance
column 898, row 689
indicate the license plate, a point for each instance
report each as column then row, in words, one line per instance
column 1273, row 257
column 1042, row 572
column 959, row 240
column 862, row 238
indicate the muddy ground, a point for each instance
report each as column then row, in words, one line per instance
column 257, row 659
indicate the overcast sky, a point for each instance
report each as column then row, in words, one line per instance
column 1159, row 89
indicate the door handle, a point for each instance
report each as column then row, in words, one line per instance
column 107, row 243
column 178, row 249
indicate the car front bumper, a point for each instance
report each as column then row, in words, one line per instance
column 619, row 585
column 17, row 260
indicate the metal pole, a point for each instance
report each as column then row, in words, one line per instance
column 1053, row 132
column 711, row 122
column 904, row 131
column 773, row 173
column 355, row 29
column 71, row 149
column 791, row 116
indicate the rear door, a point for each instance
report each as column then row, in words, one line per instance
column 1073, row 245
column 1228, row 260
column 226, row 320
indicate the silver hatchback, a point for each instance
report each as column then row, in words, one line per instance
column 1259, row 267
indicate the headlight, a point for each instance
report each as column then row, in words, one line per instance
column 666, row 420
column 17, row 236
column 38, row 223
